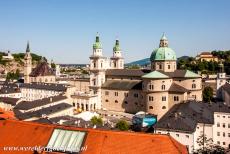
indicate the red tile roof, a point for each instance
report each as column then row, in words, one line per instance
column 20, row 133
column 6, row 114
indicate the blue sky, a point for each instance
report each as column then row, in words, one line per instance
column 64, row 30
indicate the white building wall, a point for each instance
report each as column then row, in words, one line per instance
column 221, row 129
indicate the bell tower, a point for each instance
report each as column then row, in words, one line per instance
column 117, row 61
column 27, row 64
column 98, row 66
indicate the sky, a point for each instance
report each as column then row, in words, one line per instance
column 65, row 30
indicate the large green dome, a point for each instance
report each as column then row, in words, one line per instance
column 163, row 53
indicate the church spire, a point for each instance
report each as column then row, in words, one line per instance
column 28, row 47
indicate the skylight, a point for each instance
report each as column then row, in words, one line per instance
column 66, row 140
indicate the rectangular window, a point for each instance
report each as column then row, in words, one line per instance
column 116, row 93
column 177, row 135
column 176, row 98
column 150, row 98
column 70, row 141
column 126, row 94
column 106, row 92
column 163, row 98
column 218, row 133
column 151, row 87
column 218, row 124
column 136, row 95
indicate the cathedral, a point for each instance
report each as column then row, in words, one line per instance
column 131, row 90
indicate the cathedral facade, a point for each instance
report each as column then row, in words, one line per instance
column 131, row 90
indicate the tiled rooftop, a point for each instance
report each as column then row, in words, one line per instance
column 97, row 141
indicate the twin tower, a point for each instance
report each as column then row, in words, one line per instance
column 99, row 64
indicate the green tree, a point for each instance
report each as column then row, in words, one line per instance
column 53, row 65
column 96, row 120
column 122, row 125
column 207, row 147
column 207, row 94
column 13, row 75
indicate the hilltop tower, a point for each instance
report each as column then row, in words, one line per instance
column 117, row 61
column 27, row 65
column 163, row 58
column 98, row 66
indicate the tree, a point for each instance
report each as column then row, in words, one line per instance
column 207, row 147
column 12, row 76
column 122, row 125
column 53, row 65
column 96, row 120
column 207, row 94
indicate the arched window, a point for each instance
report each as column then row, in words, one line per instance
column 116, row 101
column 163, row 87
column 163, row 107
column 160, row 67
column 150, row 107
column 126, row 102
column 106, row 100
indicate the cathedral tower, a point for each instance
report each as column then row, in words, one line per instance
column 98, row 66
column 117, row 61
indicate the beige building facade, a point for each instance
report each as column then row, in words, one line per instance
column 154, row 91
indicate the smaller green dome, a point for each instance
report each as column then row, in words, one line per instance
column 163, row 53
column 117, row 46
column 97, row 44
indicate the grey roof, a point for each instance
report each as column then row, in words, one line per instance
column 42, row 69
column 9, row 90
column 44, row 111
column 45, row 86
column 126, row 72
column 185, row 116
column 122, row 84
column 26, row 105
column 175, row 88
column 9, row 100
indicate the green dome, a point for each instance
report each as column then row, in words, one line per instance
column 163, row 53
column 117, row 46
column 97, row 44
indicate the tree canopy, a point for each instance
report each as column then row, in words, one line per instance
column 207, row 94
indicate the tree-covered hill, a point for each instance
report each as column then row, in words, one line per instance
column 206, row 67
